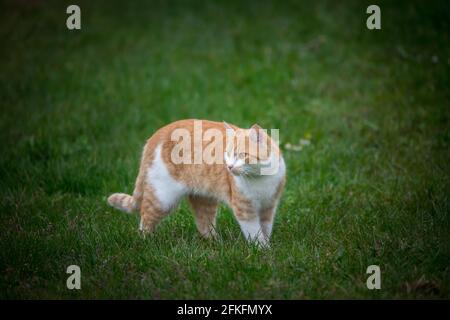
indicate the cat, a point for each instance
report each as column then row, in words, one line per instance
column 236, row 179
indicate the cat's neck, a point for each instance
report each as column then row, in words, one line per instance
column 274, row 178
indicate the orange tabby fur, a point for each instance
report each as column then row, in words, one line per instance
column 204, row 185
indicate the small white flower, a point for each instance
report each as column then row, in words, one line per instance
column 304, row 142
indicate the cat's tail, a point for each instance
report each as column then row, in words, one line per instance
column 127, row 203
column 123, row 202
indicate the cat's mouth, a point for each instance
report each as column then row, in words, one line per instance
column 234, row 170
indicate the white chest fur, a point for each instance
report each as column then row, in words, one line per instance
column 261, row 190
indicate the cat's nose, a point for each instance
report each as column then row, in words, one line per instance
column 230, row 166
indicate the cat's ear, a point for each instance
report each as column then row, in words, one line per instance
column 227, row 126
column 256, row 133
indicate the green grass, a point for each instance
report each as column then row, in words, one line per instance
column 372, row 188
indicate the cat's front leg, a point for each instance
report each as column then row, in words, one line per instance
column 251, row 228
column 249, row 222
column 266, row 218
column 205, row 210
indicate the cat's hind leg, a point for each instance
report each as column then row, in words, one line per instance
column 161, row 192
column 151, row 211
column 205, row 210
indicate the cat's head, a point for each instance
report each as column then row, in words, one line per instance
column 249, row 151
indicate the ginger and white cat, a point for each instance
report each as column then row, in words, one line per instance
column 236, row 181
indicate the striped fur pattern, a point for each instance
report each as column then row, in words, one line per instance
column 161, row 184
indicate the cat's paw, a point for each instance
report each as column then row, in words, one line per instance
column 210, row 235
column 261, row 243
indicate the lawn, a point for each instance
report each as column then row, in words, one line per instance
column 371, row 188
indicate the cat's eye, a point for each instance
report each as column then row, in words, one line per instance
column 241, row 155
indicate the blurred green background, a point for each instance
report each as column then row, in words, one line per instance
column 372, row 187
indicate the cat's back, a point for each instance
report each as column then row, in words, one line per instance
column 163, row 149
column 169, row 132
